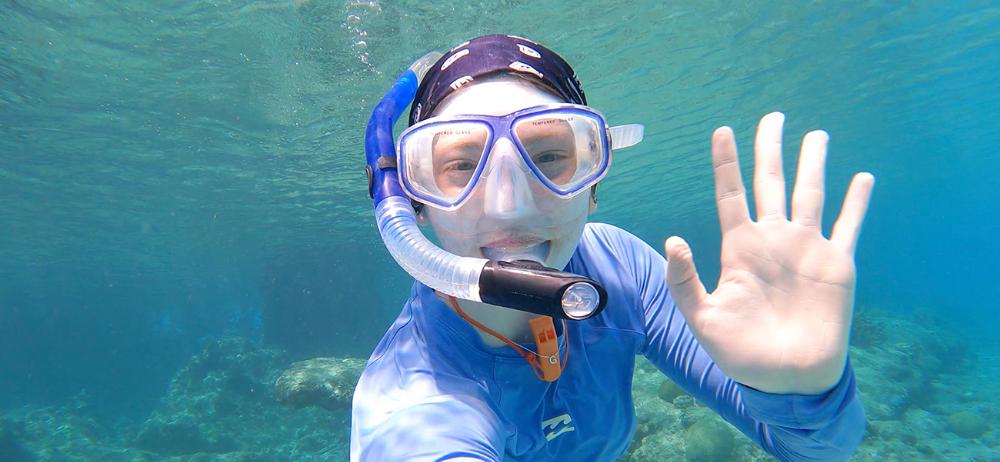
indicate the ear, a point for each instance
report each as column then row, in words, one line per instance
column 422, row 219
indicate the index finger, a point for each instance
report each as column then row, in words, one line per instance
column 730, row 195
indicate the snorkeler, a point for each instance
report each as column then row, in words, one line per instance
column 519, row 338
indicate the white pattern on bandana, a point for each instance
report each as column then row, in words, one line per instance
column 522, row 38
column 529, row 51
column 521, row 67
column 451, row 59
column 459, row 82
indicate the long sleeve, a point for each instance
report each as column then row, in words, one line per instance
column 825, row 427
column 411, row 404
column 447, row 428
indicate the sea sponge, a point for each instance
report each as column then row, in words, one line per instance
column 967, row 424
column 708, row 440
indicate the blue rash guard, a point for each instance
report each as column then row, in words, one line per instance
column 433, row 391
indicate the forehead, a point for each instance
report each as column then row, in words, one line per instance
column 496, row 97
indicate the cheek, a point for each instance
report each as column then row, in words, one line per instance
column 567, row 236
column 451, row 231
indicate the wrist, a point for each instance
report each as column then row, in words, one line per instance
column 812, row 379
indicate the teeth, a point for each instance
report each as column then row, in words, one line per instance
column 537, row 252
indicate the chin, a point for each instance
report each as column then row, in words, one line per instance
column 563, row 250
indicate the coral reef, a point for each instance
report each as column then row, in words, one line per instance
column 921, row 384
column 12, row 449
column 218, row 407
column 914, row 374
column 65, row 432
column 321, row 382
column 924, row 392
column 866, row 330
column 222, row 390
column 679, row 429
column 223, row 402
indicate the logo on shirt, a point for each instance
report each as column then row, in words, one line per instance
column 557, row 426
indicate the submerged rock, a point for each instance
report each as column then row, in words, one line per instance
column 708, row 440
column 220, row 406
column 967, row 424
column 684, row 401
column 669, row 390
column 321, row 382
column 221, row 389
column 181, row 438
column 66, row 432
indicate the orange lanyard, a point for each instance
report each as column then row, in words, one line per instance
column 545, row 363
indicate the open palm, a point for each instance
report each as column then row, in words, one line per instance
column 780, row 316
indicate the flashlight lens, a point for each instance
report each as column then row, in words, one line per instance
column 580, row 300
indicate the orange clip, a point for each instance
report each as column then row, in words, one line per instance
column 544, row 333
column 545, row 363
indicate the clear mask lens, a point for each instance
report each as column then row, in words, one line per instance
column 441, row 162
column 441, row 159
column 565, row 149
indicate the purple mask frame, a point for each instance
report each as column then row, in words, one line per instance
column 502, row 127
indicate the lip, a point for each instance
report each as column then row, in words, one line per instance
column 517, row 249
column 511, row 242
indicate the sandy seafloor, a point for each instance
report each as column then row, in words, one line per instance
column 221, row 406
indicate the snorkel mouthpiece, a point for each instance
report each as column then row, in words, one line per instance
column 521, row 285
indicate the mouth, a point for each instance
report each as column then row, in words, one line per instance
column 517, row 249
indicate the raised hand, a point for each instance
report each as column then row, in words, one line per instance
column 780, row 315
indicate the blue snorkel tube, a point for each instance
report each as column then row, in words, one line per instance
column 521, row 285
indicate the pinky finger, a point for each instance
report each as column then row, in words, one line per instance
column 852, row 214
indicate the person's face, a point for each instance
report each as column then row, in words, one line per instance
column 457, row 152
column 510, row 215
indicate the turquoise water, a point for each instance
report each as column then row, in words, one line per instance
column 174, row 174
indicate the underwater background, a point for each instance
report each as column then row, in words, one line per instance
column 183, row 209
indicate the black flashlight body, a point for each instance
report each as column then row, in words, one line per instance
column 525, row 285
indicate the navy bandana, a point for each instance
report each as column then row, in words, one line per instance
column 491, row 54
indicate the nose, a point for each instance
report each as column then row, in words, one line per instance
column 508, row 192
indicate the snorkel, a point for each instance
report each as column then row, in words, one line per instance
column 521, row 285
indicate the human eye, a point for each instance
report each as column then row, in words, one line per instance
column 550, row 156
column 459, row 165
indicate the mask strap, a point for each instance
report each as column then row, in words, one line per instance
column 545, row 363
column 624, row 136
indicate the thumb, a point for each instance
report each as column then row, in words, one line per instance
column 682, row 277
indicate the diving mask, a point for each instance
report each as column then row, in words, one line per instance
column 566, row 147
